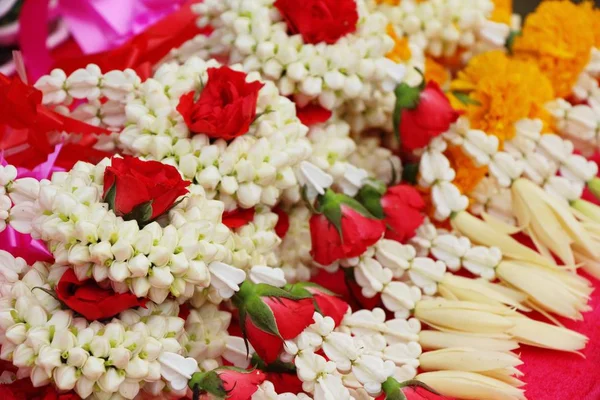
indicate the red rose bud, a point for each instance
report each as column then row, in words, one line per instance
column 343, row 229
column 313, row 114
column 319, row 20
column 409, row 390
column 227, row 383
column 402, row 208
column 142, row 190
column 90, row 300
column 270, row 315
column 421, row 113
column 226, row 106
column 283, row 222
column 238, row 217
column 326, row 302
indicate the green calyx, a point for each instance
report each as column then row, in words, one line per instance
column 330, row 205
column 370, row 197
column 142, row 213
column 393, row 389
column 407, row 98
column 594, row 186
column 207, row 382
column 410, row 173
column 510, row 40
column 250, row 304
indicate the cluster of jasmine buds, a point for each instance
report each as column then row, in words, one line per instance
column 207, row 340
column 352, row 362
column 52, row 345
column 8, row 174
column 580, row 123
column 544, row 155
column 483, row 150
column 190, row 252
column 456, row 251
column 255, row 168
column 256, row 241
column 435, row 173
column 489, row 197
column 105, row 94
column 253, row 33
column 586, row 89
column 377, row 160
column 294, row 251
column 443, row 27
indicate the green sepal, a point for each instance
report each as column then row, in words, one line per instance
column 392, row 389
column 110, row 196
column 465, row 99
column 370, row 197
column 300, row 290
column 330, row 205
column 142, row 213
column 594, row 187
column 265, row 290
column 510, row 40
column 277, row 366
column 261, row 316
column 208, row 382
column 407, row 97
column 410, row 173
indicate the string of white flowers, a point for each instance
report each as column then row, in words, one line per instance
column 435, row 173
column 252, row 169
column 586, row 88
column 442, row 27
column 52, row 345
column 580, row 123
column 351, row 362
column 190, row 253
column 252, row 33
column 8, row 174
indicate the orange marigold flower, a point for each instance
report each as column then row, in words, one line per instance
column 558, row 36
column 507, row 90
column 502, row 11
column 436, row 72
column 401, row 51
column 468, row 175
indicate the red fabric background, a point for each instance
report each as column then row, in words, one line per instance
column 552, row 375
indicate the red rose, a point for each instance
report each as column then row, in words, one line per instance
column 238, row 217
column 240, row 385
column 142, row 190
column 313, row 114
column 329, row 304
column 283, row 222
column 319, row 20
column 339, row 215
column 402, row 206
column 284, row 382
column 291, row 318
column 430, row 117
column 270, row 315
column 226, row 107
column 90, row 300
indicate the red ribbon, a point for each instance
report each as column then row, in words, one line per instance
column 25, row 124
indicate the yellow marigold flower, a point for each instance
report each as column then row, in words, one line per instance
column 467, row 174
column 558, row 36
column 502, row 11
column 389, row 2
column 401, row 51
column 436, row 72
column 507, row 90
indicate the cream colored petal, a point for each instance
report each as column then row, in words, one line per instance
column 470, row 386
column 540, row 334
column 433, row 340
column 482, row 233
column 461, row 359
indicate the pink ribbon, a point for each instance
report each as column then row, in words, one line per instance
column 96, row 25
column 20, row 244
